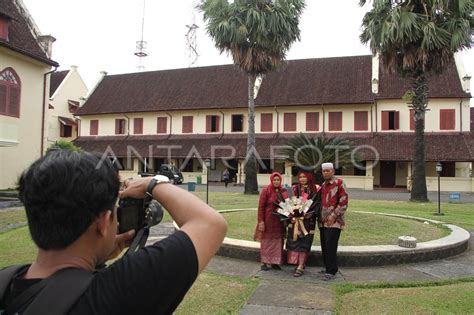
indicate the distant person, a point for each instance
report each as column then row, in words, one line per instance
column 226, row 177
column 298, row 245
column 270, row 230
column 334, row 205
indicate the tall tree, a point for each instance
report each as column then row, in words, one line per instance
column 417, row 39
column 258, row 34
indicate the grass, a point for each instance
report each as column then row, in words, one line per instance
column 441, row 297
column 11, row 217
column 227, row 200
column 217, row 294
column 458, row 214
column 16, row 247
column 362, row 229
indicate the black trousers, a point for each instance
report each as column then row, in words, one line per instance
column 329, row 240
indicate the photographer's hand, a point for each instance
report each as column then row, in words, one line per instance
column 135, row 188
column 122, row 241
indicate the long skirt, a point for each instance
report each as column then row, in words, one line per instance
column 298, row 250
column 271, row 251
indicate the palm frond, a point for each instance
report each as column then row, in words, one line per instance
column 257, row 33
column 309, row 153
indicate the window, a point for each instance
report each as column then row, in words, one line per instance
column 266, row 122
column 161, row 125
column 412, row 119
column 361, row 121
column 289, row 122
column 266, row 168
column 212, row 123
column 187, row 124
column 335, row 121
column 10, row 88
column 73, row 106
column 390, row 120
column 94, row 127
column 237, row 123
column 447, row 120
column 189, row 167
column 358, row 171
column 125, row 164
column 65, row 131
column 120, row 126
column 138, row 126
column 312, row 121
column 449, row 169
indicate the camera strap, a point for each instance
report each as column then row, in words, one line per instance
column 139, row 241
column 53, row 295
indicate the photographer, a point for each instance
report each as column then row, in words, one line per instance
column 70, row 201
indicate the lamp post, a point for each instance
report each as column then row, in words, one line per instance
column 439, row 169
column 207, row 162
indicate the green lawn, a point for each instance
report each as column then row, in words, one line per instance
column 361, row 229
column 444, row 297
column 217, row 294
column 11, row 217
column 16, row 247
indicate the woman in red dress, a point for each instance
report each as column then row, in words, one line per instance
column 298, row 245
column 270, row 230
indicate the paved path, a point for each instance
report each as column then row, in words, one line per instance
column 280, row 293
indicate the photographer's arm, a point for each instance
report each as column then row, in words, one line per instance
column 205, row 227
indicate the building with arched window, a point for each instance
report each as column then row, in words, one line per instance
column 25, row 61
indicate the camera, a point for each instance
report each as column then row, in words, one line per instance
column 135, row 214
column 139, row 215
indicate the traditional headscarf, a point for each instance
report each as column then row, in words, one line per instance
column 271, row 180
column 310, row 178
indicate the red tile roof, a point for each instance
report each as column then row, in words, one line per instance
column 472, row 119
column 190, row 88
column 56, row 79
column 340, row 80
column 444, row 85
column 389, row 146
column 20, row 37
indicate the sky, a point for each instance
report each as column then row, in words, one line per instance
column 101, row 35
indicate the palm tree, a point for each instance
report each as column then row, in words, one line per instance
column 309, row 153
column 418, row 38
column 258, row 34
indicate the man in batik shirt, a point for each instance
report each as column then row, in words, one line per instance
column 334, row 204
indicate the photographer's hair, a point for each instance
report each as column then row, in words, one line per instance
column 63, row 193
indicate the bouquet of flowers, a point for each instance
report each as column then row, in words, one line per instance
column 294, row 206
column 294, row 209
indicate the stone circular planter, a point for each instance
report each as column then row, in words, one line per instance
column 374, row 255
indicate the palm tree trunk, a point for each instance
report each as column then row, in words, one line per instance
column 251, row 186
column 420, row 88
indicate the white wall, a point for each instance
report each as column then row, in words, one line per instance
column 20, row 138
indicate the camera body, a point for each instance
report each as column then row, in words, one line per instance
column 135, row 214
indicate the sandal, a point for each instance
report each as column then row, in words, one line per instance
column 276, row 267
column 264, row 267
column 298, row 273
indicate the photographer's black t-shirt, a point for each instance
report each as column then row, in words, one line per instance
column 152, row 281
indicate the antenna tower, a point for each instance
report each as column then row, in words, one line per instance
column 141, row 52
column 191, row 37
